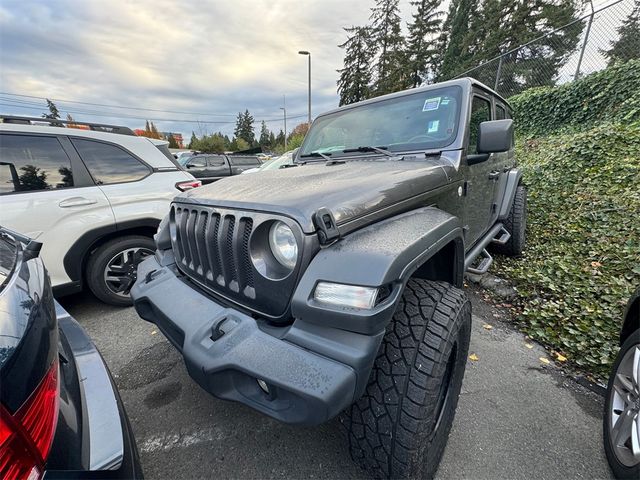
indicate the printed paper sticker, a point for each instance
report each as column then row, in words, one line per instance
column 445, row 101
column 431, row 104
column 433, row 126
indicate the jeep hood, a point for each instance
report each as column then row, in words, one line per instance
column 349, row 190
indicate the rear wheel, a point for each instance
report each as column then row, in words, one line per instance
column 112, row 269
column 399, row 428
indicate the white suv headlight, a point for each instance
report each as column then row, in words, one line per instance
column 283, row 244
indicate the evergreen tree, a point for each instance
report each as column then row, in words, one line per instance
column 264, row 135
column 53, row 110
column 172, row 141
column 147, row 129
column 272, row 140
column 454, row 39
column 244, row 127
column 521, row 22
column 355, row 76
column 627, row 47
column 193, row 142
column 280, row 138
column 154, row 131
column 389, row 44
column 421, row 41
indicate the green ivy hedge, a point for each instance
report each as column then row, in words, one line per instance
column 582, row 259
column 611, row 95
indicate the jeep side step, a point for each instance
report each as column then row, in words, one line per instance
column 483, row 266
column 502, row 237
column 480, row 249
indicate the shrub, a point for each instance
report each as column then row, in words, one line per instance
column 611, row 95
column 582, row 260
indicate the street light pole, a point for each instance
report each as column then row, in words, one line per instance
column 308, row 54
column 284, row 110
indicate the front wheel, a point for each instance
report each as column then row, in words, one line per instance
column 112, row 268
column 399, row 428
column 622, row 411
column 516, row 225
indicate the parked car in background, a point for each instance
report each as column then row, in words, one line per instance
column 275, row 163
column 622, row 408
column 60, row 413
column 208, row 167
column 93, row 198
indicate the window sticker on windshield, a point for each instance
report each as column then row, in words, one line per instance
column 431, row 104
column 445, row 101
column 433, row 126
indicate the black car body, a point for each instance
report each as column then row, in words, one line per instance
column 208, row 167
column 369, row 220
column 60, row 413
column 293, row 291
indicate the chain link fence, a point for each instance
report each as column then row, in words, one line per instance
column 556, row 58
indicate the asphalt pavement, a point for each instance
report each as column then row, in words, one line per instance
column 517, row 416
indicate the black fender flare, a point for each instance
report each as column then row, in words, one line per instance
column 512, row 180
column 385, row 254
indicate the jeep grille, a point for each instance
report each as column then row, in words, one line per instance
column 211, row 247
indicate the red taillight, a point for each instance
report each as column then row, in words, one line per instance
column 26, row 437
column 184, row 186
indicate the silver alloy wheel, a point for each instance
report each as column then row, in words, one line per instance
column 624, row 426
column 121, row 271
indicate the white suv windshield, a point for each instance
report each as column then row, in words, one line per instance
column 426, row 120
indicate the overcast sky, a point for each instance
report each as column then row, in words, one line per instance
column 212, row 57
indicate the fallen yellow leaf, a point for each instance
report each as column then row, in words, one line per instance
column 561, row 358
column 544, row 360
column 486, row 326
column 528, row 345
column 153, row 332
column 473, row 357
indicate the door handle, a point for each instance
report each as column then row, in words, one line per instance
column 76, row 202
column 494, row 174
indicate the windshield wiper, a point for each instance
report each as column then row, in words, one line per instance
column 380, row 149
column 316, row 154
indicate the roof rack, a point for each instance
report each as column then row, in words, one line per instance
column 58, row 122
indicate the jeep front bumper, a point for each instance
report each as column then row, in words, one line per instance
column 312, row 372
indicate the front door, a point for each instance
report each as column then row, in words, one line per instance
column 482, row 176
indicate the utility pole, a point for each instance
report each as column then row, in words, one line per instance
column 284, row 110
column 308, row 54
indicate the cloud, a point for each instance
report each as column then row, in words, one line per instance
column 214, row 57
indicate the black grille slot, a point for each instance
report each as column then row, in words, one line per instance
column 214, row 249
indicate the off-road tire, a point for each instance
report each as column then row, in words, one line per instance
column 617, row 467
column 516, row 225
column 399, row 428
column 94, row 272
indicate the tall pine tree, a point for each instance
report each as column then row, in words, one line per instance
column 454, row 40
column 627, row 47
column 355, row 76
column 421, row 41
column 264, row 135
column 389, row 44
column 244, row 128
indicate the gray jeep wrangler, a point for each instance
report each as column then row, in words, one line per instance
column 333, row 286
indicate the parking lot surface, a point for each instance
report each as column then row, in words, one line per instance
column 517, row 416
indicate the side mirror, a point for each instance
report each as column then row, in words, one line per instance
column 495, row 136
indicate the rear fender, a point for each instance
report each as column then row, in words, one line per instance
column 511, row 181
column 385, row 254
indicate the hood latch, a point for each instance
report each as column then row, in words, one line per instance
column 326, row 225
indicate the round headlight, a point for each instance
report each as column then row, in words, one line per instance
column 283, row 244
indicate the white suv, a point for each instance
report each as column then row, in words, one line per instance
column 94, row 197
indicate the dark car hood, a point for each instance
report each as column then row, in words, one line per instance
column 349, row 190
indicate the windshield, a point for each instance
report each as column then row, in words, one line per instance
column 422, row 121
